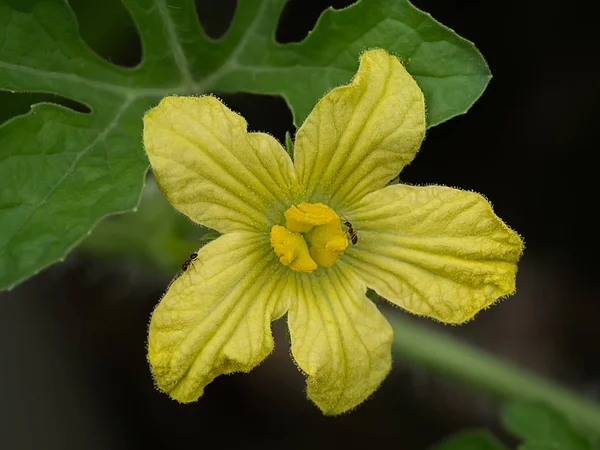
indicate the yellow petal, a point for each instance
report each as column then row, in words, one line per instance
column 214, row 171
column 360, row 136
column 435, row 251
column 215, row 318
column 339, row 338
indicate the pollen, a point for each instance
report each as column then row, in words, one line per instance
column 312, row 237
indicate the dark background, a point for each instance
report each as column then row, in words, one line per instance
column 73, row 373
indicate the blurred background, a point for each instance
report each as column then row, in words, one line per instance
column 73, row 371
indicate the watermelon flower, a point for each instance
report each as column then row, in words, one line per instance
column 308, row 237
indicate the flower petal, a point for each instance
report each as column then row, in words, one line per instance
column 214, row 171
column 360, row 136
column 435, row 251
column 215, row 318
column 339, row 338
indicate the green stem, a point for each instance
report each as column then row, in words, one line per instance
column 444, row 354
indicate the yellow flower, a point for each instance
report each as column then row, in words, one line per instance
column 287, row 244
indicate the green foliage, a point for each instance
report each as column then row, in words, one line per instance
column 289, row 144
column 372, row 295
column 62, row 171
column 471, row 440
column 542, row 428
column 536, row 425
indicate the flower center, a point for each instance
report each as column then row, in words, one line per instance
column 312, row 237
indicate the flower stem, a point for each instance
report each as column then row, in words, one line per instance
column 444, row 354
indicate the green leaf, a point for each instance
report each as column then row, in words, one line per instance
column 541, row 427
column 449, row 69
column 537, row 446
column 470, row 440
column 289, row 144
column 62, row 171
column 372, row 295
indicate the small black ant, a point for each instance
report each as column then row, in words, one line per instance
column 189, row 262
column 351, row 233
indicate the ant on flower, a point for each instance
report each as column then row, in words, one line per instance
column 189, row 262
column 186, row 265
column 352, row 234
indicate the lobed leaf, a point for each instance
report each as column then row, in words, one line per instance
column 62, row 171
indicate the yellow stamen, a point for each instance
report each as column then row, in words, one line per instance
column 302, row 218
column 328, row 242
column 292, row 249
column 321, row 228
